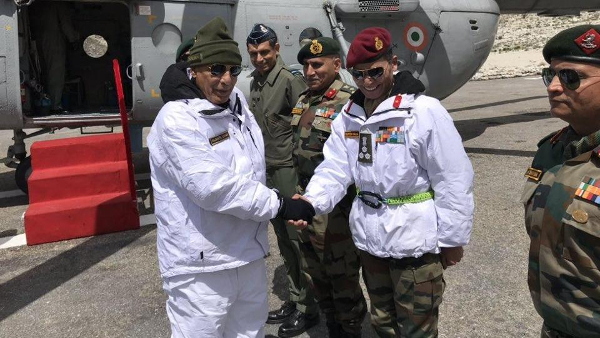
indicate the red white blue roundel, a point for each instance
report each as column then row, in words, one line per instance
column 415, row 36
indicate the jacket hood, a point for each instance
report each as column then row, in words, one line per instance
column 175, row 84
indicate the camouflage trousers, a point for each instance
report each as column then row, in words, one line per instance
column 283, row 179
column 405, row 294
column 550, row 333
column 332, row 264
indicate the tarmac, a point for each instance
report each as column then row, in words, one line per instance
column 109, row 286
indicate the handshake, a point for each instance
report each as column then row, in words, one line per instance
column 296, row 210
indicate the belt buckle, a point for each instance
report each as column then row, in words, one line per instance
column 371, row 199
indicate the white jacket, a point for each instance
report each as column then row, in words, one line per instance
column 428, row 155
column 208, row 174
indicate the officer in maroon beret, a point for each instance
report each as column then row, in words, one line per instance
column 414, row 207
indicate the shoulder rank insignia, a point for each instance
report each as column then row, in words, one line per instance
column 331, row 93
column 219, row 138
column 397, row 101
column 348, row 89
column 534, row 174
column 351, row 134
column 589, row 189
column 390, row 135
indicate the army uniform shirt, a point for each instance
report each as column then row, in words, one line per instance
column 272, row 97
column 562, row 218
column 311, row 122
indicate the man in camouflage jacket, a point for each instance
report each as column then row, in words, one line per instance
column 330, row 259
column 561, row 196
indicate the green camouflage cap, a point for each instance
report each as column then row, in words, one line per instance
column 579, row 44
column 319, row 47
column 214, row 44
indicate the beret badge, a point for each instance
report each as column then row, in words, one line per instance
column 316, row 47
column 589, row 42
column 378, row 43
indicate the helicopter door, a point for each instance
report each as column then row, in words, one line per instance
column 10, row 88
column 158, row 28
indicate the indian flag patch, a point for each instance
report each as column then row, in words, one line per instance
column 390, row 135
column 589, row 189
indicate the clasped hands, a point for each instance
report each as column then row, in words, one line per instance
column 297, row 210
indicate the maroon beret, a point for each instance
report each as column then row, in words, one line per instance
column 369, row 45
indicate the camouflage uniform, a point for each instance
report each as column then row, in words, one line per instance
column 272, row 97
column 564, row 226
column 405, row 294
column 329, row 258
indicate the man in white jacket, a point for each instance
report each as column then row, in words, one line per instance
column 212, row 207
column 414, row 208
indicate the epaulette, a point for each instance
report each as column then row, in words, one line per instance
column 348, row 89
column 295, row 72
column 552, row 137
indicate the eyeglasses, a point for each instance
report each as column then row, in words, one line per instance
column 569, row 78
column 220, row 70
column 373, row 73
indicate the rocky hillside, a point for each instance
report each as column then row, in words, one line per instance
column 517, row 50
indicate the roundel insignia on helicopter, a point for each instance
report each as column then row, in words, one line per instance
column 415, row 36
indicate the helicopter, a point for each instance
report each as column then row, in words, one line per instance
column 441, row 42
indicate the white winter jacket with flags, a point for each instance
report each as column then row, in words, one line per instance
column 208, row 174
column 413, row 147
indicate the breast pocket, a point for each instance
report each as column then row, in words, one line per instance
column 581, row 234
column 392, row 157
column 223, row 145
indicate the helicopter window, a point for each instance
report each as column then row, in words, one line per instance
column 166, row 37
column 309, row 34
column 95, row 46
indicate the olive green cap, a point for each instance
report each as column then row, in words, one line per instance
column 184, row 47
column 579, row 44
column 319, row 47
column 214, row 44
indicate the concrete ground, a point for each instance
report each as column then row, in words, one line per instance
column 109, row 286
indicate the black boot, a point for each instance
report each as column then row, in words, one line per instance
column 281, row 314
column 297, row 324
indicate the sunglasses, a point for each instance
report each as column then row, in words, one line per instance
column 220, row 70
column 569, row 78
column 373, row 73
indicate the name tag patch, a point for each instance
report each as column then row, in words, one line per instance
column 390, row 135
column 298, row 109
column 351, row 134
column 219, row 138
column 534, row 174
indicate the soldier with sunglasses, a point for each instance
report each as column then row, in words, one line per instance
column 414, row 207
column 329, row 257
column 212, row 205
column 562, row 191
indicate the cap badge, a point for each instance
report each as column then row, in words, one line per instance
column 263, row 29
column 316, row 47
column 378, row 43
column 589, row 42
